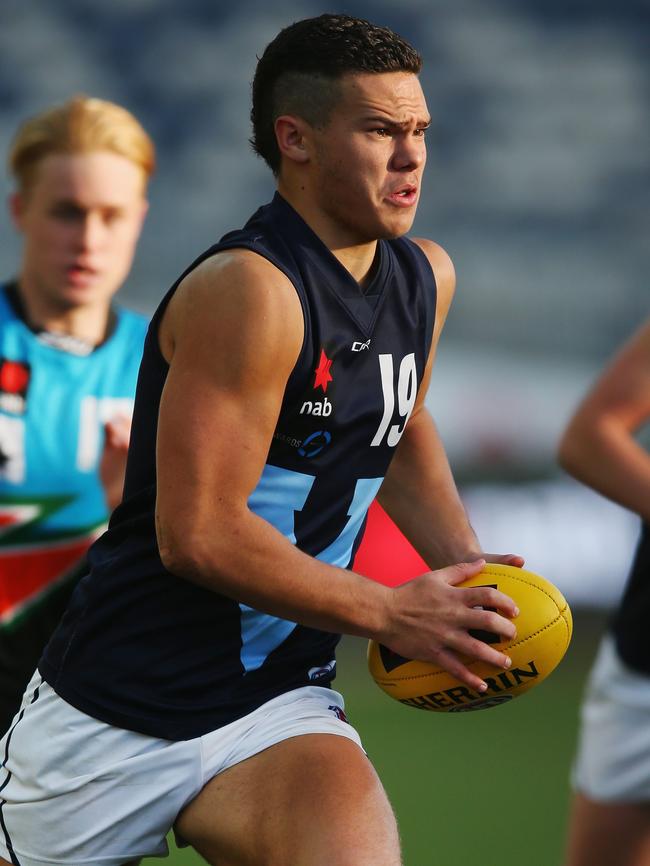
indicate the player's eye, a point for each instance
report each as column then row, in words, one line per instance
column 67, row 212
column 111, row 216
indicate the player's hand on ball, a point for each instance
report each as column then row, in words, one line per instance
column 432, row 619
column 439, row 684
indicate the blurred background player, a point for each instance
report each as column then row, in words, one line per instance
column 68, row 362
column 610, row 820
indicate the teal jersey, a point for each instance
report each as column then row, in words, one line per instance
column 54, row 404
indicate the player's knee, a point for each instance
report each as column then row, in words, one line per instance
column 376, row 855
column 368, row 836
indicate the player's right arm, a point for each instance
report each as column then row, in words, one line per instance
column 231, row 335
column 599, row 447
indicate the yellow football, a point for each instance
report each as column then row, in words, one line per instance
column 544, row 627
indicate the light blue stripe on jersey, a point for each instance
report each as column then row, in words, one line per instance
column 278, row 495
column 261, row 633
column 340, row 550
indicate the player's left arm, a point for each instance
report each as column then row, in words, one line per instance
column 419, row 492
column 599, row 446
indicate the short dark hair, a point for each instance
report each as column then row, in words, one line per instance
column 300, row 70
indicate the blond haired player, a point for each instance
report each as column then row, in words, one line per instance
column 610, row 820
column 68, row 361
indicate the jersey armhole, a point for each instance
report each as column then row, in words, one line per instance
column 427, row 273
column 154, row 324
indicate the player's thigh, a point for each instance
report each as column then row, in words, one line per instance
column 312, row 800
column 608, row 834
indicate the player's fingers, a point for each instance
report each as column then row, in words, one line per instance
column 489, row 597
column 455, row 574
column 506, row 559
column 491, row 623
column 473, row 637
column 478, row 650
column 118, row 431
column 450, row 662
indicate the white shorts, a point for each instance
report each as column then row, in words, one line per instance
column 75, row 791
column 612, row 763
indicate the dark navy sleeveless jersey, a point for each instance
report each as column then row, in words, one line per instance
column 147, row 650
column 630, row 622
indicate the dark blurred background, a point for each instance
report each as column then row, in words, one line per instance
column 538, row 185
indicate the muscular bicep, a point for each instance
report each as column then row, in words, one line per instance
column 232, row 334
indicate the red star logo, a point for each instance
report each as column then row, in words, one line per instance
column 14, row 376
column 323, row 375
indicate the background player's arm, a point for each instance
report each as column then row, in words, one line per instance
column 598, row 446
column 419, row 491
column 232, row 334
column 112, row 465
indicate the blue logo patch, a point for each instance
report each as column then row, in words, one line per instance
column 315, row 443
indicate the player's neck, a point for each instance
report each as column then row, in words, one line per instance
column 359, row 261
column 355, row 256
column 87, row 323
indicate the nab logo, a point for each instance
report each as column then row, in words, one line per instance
column 316, row 407
column 360, row 347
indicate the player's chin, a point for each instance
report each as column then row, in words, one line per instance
column 92, row 292
column 72, row 296
column 396, row 222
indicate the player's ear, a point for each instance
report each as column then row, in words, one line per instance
column 16, row 204
column 292, row 138
column 144, row 210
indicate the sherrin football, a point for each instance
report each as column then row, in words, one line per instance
column 544, row 627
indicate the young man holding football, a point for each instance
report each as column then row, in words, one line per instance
column 281, row 389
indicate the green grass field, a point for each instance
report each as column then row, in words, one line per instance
column 471, row 789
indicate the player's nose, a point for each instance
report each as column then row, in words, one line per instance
column 410, row 153
column 91, row 232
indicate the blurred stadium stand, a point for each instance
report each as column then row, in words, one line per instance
column 538, row 181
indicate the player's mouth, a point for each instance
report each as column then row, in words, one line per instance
column 80, row 275
column 404, row 196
